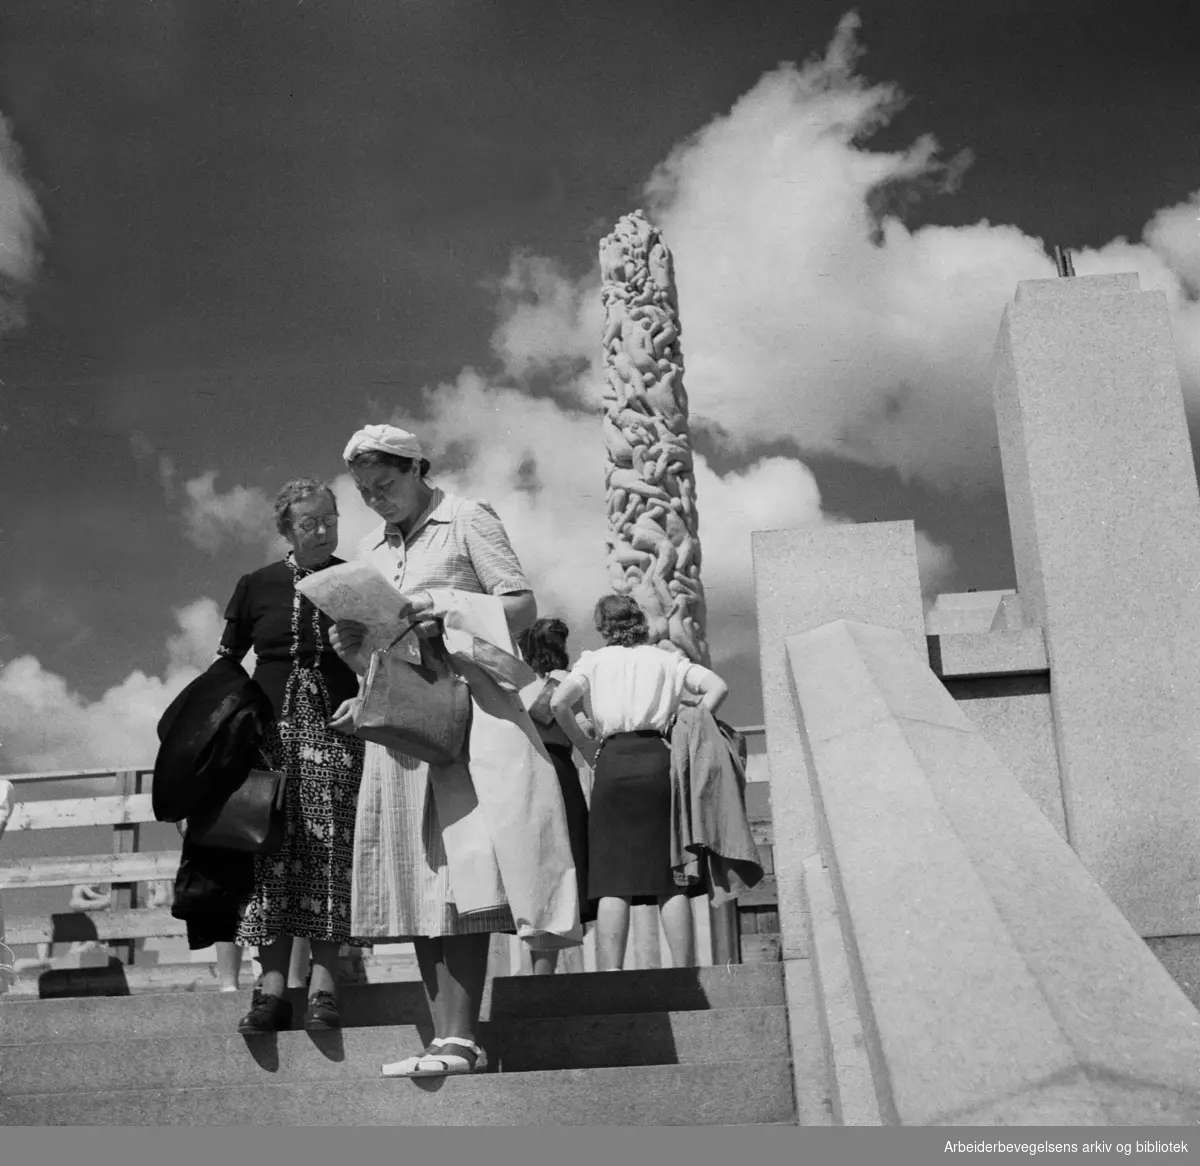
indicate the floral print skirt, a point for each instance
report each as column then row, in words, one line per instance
column 304, row 890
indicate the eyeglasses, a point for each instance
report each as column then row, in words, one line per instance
column 308, row 525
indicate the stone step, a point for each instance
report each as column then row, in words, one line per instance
column 368, row 1005
column 750, row 1092
column 657, row 990
column 114, row 978
column 204, row 1060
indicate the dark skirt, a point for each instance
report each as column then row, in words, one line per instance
column 577, row 819
column 629, row 826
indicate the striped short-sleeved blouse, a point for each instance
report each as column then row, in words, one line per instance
column 459, row 544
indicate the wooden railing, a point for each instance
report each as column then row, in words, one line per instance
column 130, row 914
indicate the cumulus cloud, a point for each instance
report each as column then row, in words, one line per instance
column 21, row 226
column 242, row 513
column 44, row 725
column 809, row 309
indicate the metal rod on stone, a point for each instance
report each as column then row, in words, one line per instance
column 1064, row 262
column 653, row 530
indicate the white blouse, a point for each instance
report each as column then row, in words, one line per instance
column 626, row 689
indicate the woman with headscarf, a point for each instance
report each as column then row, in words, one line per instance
column 303, row 891
column 446, row 855
column 631, row 691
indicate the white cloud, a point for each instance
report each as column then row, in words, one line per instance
column 44, row 725
column 804, row 315
column 243, row 513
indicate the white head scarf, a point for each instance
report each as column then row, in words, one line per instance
column 384, row 439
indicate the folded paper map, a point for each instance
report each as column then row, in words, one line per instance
column 357, row 591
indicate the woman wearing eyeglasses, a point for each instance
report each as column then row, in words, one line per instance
column 304, row 890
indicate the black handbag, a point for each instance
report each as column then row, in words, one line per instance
column 251, row 819
column 423, row 709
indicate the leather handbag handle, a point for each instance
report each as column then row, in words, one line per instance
column 408, row 627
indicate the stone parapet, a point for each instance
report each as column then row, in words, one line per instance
column 995, row 982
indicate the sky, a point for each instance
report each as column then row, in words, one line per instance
column 231, row 234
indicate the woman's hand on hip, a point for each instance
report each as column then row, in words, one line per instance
column 342, row 720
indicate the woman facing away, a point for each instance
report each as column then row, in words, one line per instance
column 303, row 891
column 450, row 558
column 631, row 692
column 544, row 646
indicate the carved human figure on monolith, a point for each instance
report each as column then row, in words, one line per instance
column 653, row 539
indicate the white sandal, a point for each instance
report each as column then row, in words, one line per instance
column 430, row 1065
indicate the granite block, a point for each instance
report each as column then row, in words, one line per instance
column 853, row 1099
column 994, row 965
column 802, row 579
column 964, row 612
column 1015, row 718
column 1003, row 653
column 1105, row 520
column 811, row 1067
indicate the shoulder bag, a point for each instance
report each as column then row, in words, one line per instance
column 251, row 819
column 423, row 709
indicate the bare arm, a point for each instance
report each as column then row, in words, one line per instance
column 562, row 704
column 709, row 687
column 520, row 609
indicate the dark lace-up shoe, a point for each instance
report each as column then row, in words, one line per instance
column 322, row 1012
column 267, row 1014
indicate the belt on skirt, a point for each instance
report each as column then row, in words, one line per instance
column 634, row 733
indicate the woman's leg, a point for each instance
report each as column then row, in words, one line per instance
column 681, row 933
column 612, row 933
column 453, row 970
column 298, row 963
column 274, row 958
column 324, row 966
column 544, row 962
column 229, row 965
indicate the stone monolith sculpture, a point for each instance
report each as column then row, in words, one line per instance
column 653, row 539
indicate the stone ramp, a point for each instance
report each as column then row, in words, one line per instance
column 664, row 1047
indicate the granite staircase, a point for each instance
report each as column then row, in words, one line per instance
column 695, row 1046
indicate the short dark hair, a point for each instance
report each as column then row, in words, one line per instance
column 378, row 457
column 544, row 646
column 621, row 622
column 296, row 491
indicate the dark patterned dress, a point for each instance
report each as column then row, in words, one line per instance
column 304, row 890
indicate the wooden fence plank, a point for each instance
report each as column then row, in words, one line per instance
column 77, row 926
column 101, row 811
column 78, row 774
column 65, row 871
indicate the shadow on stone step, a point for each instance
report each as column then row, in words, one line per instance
column 107, row 981
column 329, row 1044
column 581, row 1042
column 572, row 994
column 264, row 1049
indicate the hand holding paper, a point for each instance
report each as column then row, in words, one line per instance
column 357, row 593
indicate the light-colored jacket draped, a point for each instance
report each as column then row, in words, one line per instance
column 504, row 826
